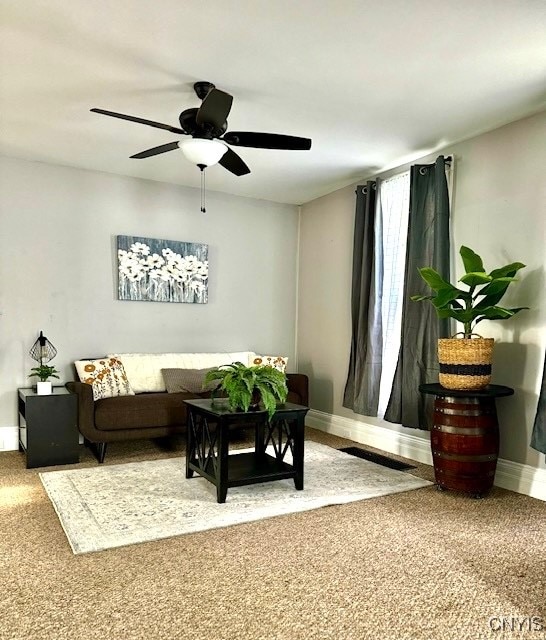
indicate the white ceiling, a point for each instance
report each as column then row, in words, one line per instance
column 372, row 83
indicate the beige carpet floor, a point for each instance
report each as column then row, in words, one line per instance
column 421, row 565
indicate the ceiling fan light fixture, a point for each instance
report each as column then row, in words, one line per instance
column 202, row 151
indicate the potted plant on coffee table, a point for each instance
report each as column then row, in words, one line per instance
column 44, row 371
column 465, row 363
column 247, row 388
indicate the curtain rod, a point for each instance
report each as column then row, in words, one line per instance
column 447, row 159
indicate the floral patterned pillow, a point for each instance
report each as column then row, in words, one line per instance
column 279, row 362
column 106, row 376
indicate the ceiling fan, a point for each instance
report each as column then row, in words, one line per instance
column 207, row 126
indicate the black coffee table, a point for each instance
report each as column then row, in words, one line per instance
column 207, row 444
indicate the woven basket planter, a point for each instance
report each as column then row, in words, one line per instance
column 465, row 363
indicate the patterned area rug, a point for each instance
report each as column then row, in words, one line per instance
column 113, row 506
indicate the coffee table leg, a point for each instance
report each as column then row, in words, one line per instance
column 297, row 433
column 190, row 444
column 222, row 467
column 259, row 439
column 221, row 494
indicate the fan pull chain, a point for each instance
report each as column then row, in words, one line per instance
column 203, row 187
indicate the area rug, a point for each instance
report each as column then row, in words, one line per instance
column 117, row 505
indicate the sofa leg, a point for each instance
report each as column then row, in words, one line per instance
column 166, row 443
column 101, row 450
column 98, row 449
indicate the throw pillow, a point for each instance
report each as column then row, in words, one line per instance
column 279, row 362
column 107, row 377
column 187, row 380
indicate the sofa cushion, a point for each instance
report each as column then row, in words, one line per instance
column 144, row 369
column 107, row 376
column 294, row 397
column 279, row 362
column 141, row 411
column 188, row 380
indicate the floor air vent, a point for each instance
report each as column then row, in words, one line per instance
column 377, row 458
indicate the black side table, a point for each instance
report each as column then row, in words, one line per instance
column 465, row 437
column 207, row 444
column 48, row 427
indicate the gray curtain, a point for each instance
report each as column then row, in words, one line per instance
column 538, row 438
column 428, row 246
column 362, row 387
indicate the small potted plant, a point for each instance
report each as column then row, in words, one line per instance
column 44, row 371
column 466, row 363
column 247, row 388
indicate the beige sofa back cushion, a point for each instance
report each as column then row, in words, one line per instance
column 143, row 370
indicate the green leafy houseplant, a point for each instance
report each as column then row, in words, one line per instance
column 242, row 385
column 44, row 371
column 480, row 301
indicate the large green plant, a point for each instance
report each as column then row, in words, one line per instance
column 241, row 383
column 480, row 301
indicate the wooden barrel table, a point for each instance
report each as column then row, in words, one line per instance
column 465, row 437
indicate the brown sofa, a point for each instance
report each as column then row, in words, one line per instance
column 146, row 415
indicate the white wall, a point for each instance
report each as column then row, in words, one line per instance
column 58, row 270
column 498, row 210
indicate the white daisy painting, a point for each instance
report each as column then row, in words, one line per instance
column 162, row 270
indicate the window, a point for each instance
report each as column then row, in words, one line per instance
column 383, row 236
column 391, row 232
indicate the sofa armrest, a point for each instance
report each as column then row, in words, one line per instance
column 299, row 383
column 86, row 408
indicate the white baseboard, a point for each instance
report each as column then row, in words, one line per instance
column 521, row 478
column 408, row 446
column 514, row 476
column 9, row 438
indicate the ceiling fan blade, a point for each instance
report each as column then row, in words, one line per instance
column 154, row 151
column 215, row 108
column 234, row 163
column 266, row 140
column 151, row 123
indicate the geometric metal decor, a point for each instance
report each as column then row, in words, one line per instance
column 42, row 350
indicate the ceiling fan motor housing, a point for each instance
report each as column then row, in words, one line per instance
column 202, row 88
column 189, row 124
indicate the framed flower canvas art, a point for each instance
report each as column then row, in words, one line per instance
column 162, row 270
